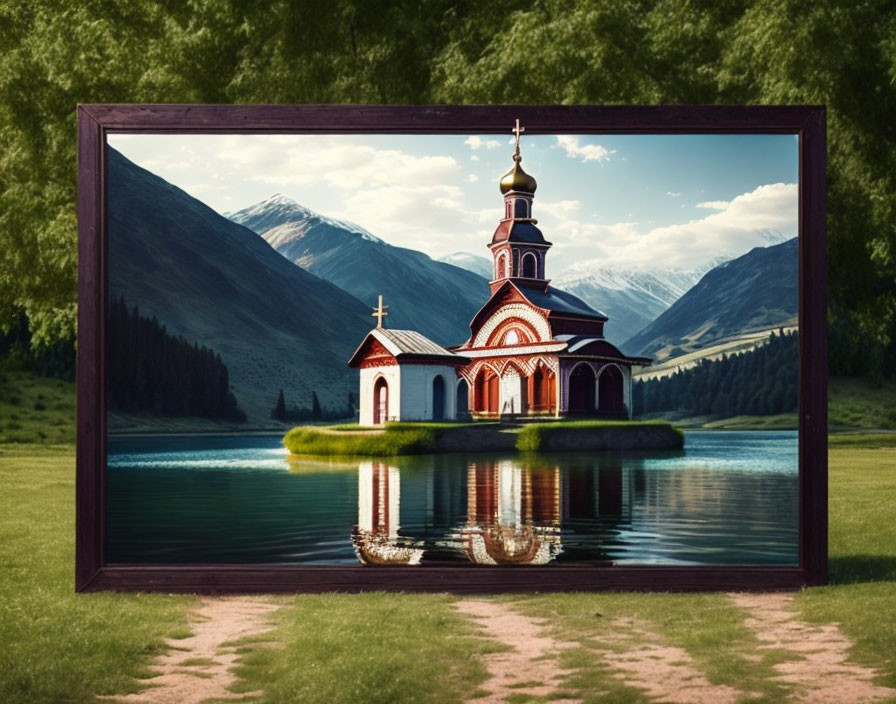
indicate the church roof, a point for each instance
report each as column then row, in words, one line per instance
column 557, row 301
column 408, row 345
column 518, row 230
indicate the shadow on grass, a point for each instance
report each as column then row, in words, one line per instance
column 854, row 569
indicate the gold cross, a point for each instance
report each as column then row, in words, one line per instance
column 518, row 131
column 380, row 312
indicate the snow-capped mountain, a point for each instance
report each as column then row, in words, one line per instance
column 436, row 298
column 756, row 291
column 471, row 262
column 280, row 209
column 631, row 298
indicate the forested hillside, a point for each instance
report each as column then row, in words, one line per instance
column 151, row 371
column 760, row 382
column 55, row 54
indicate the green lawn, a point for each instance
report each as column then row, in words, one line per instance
column 61, row 647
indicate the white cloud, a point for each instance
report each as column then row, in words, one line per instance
column 586, row 152
column 743, row 224
column 560, row 208
column 713, row 204
column 472, row 178
column 476, row 142
column 673, row 194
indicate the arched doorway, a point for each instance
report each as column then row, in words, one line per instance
column 543, row 390
column 438, row 398
column 380, row 401
column 581, row 389
column 513, row 391
column 463, row 398
column 611, row 398
column 485, row 391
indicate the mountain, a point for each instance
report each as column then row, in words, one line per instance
column 215, row 282
column 631, row 299
column 756, row 291
column 434, row 298
column 471, row 262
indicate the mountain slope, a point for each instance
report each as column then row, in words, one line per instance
column 471, row 262
column 756, row 291
column 435, row 298
column 632, row 299
column 215, row 282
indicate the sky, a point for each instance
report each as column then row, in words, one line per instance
column 623, row 201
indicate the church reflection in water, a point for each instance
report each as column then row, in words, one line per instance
column 497, row 512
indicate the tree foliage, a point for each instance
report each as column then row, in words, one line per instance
column 153, row 371
column 760, row 382
column 56, row 54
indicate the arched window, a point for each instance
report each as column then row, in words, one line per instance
column 463, row 399
column 530, row 265
column 438, row 398
column 502, row 265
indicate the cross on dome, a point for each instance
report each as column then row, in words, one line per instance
column 517, row 130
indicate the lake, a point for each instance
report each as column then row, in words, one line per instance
column 729, row 498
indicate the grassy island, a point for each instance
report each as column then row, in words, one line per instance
column 424, row 438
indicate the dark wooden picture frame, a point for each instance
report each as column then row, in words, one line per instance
column 96, row 121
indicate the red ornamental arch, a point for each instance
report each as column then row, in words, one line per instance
column 486, row 391
column 543, row 391
column 502, row 266
column 525, row 330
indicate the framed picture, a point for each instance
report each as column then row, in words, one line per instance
column 473, row 349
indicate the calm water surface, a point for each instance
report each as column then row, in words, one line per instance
column 730, row 498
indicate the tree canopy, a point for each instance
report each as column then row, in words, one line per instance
column 57, row 53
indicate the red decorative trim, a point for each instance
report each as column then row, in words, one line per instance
column 530, row 332
column 373, row 354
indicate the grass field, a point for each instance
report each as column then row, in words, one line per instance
column 61, row 647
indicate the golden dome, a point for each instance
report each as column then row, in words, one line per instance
column 518, row 180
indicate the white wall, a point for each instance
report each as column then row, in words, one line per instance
column 410, row 391
column 416, row 390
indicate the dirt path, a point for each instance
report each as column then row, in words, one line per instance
column 530, row 667
column 665, row 673
column 198, row 668
column 823, row 673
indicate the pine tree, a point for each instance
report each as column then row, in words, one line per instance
column 280, row 408
column 315, row 406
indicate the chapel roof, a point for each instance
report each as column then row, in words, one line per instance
column 408, row 345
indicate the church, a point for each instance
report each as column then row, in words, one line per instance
column 533, row 350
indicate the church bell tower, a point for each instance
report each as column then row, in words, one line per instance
column 518, row 247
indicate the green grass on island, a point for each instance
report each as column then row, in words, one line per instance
column 309, row 440
column 406, row 438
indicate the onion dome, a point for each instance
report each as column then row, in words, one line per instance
column 516, row 179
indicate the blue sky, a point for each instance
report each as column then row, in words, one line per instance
column 628, row 201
